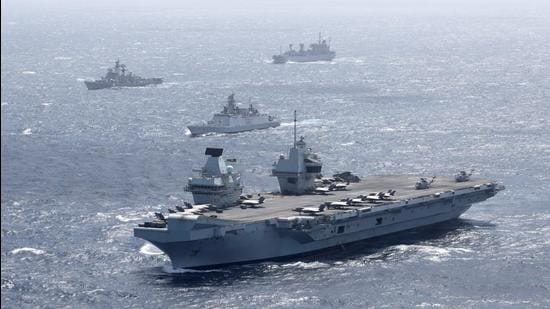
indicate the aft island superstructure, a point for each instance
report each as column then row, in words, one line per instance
column 310, row 213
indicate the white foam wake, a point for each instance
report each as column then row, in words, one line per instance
column 305, row 265
column 149, row 249
column 171, row 270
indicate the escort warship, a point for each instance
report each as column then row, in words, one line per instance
column 234, row 119
column 319, row 51
column 310, row 213
column 118, row 76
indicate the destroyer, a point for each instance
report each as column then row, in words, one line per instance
column 319, row 51
column 118, row 76
column 234, row 119
column 311, row 213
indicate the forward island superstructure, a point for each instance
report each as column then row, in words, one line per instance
column 234, row 119
column 310, row 213
column 217, row 183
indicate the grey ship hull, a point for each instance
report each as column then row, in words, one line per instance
column 310, row 58
column 201, row 130
column 263, row 237
column 272, row 244
column 104, row 84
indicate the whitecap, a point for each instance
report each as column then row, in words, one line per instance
column 28, row 72
column 102, row 215
column 95, row 291
column 307, row 122
column 26, row 249
column 62, row 58
column 7, row 284
column 178, row 74
column 4, row 103
column 149, row 249
column 27, row 131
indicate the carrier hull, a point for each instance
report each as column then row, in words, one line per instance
column 238, row 238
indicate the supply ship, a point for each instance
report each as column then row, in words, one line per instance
column 319, row 51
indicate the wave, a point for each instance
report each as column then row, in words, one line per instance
column 348, row 144
column 435, row 254
column 122, row 218
column 28, row 72
column 27, row 249
column 307, row 122
column 306, row 265
column 171, row 270
column 62, row 58
column 27, row 131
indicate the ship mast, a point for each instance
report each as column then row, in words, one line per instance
column 295, row 129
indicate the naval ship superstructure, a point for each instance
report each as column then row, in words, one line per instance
column 234, row 119
column 304, row 217
column 217, row 182
column 319, row 51
column 119, row 76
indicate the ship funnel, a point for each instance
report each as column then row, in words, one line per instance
column 214, row 152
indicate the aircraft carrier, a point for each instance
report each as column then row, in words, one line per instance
column 310, row 213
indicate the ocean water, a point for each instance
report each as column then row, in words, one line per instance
column 424, row 90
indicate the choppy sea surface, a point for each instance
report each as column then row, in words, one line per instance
column 424, row 91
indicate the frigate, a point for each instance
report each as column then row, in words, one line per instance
column 309, row 214
column 319, row 51
column 119, row 76
column 234, row 119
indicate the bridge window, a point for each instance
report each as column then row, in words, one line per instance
column 291, row 180
column 313, row 169
column 341, row 229
column 378, row 221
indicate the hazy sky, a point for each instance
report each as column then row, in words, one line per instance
column 265, row 6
